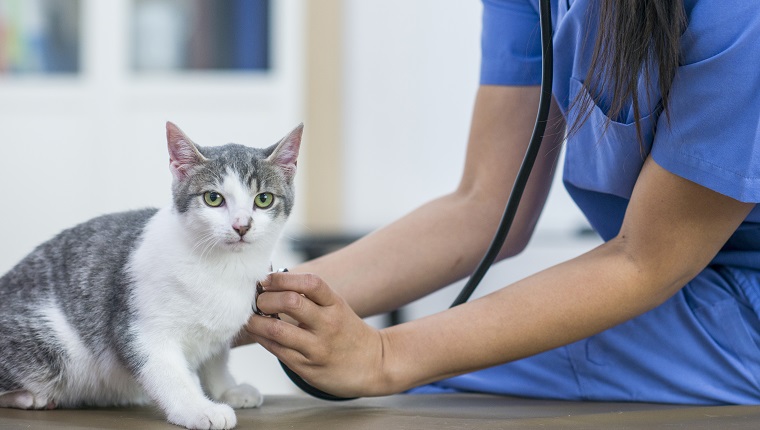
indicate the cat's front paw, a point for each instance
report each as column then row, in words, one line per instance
column 208, row 416
column 243, row 396
column 25, row 400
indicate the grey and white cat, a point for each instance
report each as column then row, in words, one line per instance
column 142, row 306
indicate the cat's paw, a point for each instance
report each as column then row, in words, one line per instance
column 17, row 399
column 208, row 416
column 243, row 396
column 25, row 400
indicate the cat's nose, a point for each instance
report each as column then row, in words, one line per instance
column 241, row 228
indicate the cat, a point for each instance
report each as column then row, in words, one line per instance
column 141, row 307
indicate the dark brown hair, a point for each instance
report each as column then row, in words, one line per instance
column 634, row 37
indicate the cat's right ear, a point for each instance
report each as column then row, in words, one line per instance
column 285, row 153
column 183, row 154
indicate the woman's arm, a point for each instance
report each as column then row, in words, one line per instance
column 671, row 230
column 443, row 240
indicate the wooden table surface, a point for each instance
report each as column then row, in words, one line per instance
column 418, row 412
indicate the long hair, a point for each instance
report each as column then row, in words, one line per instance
column 635, row 37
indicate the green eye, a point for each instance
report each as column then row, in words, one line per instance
column 213, row 199
column 264, row 200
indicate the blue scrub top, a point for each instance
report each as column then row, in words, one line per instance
column 712, row 137
column 701, row 346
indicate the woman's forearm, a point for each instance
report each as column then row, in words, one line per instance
column 443, row 240
column 671, row 231
column 430, row 247
column 555, row 307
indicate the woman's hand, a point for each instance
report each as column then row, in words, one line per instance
column 330, row 347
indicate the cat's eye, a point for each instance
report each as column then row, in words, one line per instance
column 213, row 199
column 264, row 200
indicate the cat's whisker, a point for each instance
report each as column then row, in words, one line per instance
column 204, row 246
column 202, row 240
column 210, row 244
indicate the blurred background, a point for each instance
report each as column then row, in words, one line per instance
column 385, row 89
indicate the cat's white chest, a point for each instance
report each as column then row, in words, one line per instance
column 201, row 307
column 220, row 300
column 195, row 303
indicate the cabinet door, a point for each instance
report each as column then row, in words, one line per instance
column 200, row 35
column 39, row 36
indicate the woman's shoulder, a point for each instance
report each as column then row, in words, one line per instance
column 716, row 26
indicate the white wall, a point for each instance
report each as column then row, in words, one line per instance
column 412, row 69
column 411, row 74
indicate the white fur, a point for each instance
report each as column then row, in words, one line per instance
column 193, row 294
column 22, row 399
column 97, row 380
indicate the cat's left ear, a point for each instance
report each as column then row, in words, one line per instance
column 285, row 153
column 183, row 154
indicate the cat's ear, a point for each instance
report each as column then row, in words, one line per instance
column 183, row 154
column 285, row 153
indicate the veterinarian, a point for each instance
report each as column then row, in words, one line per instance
column 660, row 101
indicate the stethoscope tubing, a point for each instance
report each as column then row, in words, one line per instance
column 531, row 153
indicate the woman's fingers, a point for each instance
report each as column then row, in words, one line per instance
column 330, row 346
column 266, row 330
column 311, row 286
column 301, row 296
column 296, row 306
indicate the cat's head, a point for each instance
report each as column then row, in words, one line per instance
column 232, row 197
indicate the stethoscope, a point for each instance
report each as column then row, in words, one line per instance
column 515, row 195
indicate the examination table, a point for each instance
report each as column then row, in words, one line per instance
column 415, row 412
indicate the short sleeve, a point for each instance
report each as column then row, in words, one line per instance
column 713, row 134
column 510, row 43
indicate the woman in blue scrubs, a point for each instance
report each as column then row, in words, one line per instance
column 665, row 163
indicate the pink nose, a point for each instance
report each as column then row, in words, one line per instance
column 241, row 228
